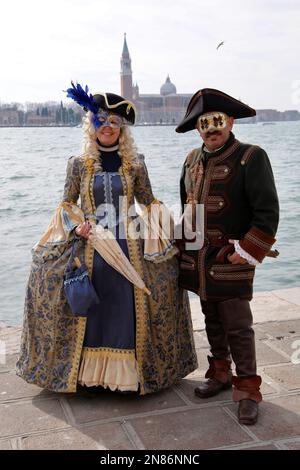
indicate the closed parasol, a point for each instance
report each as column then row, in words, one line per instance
column 107, row 246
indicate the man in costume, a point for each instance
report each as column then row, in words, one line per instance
column 235, row 184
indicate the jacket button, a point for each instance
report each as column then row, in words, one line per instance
column 226, row 170
column 211, row 273
column 243, row 162
column 221, row 203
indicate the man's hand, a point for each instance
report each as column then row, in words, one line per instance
column 235, row 258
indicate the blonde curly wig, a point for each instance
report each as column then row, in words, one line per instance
column 127, row 148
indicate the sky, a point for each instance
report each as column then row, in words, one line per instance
column 46, row 44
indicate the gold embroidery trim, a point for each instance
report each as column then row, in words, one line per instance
column 221, row 172
column 88, row 179
column 72, row 382
column 248, row 154
column 203, row 198
column 230, row 272
column 258, row 242
column 139, row 296
column 201, row 270
column 111, row 353
column 113, row 106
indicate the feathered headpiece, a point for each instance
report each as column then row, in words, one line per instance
column 110, row 102
column 82, row 97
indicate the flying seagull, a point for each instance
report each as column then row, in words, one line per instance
column 221, row 44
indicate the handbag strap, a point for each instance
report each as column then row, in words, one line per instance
column 75, row 245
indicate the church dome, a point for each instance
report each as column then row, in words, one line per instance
column 168, row 88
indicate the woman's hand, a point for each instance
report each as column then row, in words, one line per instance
column 84, row 230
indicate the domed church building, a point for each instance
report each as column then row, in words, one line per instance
column 167, row 107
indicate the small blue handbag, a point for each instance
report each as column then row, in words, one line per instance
column 79, row 290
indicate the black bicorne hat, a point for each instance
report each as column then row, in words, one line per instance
column 116, row 104
column 210, row 100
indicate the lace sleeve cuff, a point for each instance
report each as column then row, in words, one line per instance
column 66, row 217
column 244, row 254
column 159, row 244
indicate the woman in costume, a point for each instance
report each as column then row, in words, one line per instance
column 129, row 341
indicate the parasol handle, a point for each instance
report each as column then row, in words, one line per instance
column 77, row 262
column 147, row 291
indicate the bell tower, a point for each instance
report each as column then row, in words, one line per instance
column 126, row 72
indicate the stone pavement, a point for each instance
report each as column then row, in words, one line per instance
column 31, row 418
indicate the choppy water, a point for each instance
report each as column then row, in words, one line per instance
column 33, row 163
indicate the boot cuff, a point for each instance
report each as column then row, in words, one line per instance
column 247, row 388
column 219, row 369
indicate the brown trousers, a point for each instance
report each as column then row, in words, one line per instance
column 229, row 332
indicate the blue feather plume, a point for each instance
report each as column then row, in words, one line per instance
column 82, row 97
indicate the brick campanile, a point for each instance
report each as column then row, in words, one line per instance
column 126, row 72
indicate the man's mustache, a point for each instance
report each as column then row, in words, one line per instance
column 210, row 133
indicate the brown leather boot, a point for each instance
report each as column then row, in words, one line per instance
column 247, row 412
column 246, row 392
column 219, row 378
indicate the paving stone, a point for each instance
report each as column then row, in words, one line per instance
column 194, row 429
column 292, row 295
column 278, row 418
column 259, row 333
column 266, row 307
column 102, row 437
column 109, row 405
column 268, row 447
column 288, row 375
column 23, row 418
column 200, row 340
column 290, row 346
column 288, row 328
column 254, row 447
column 5, row 445
column 293, row 445
column 197, row 315
column 277, row 320
column 10, row 336
column 266, row 387
column 266, row 355
column 9, row 363
column 13, row 387
column 202, row 359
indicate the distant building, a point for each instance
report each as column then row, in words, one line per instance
column 9, row 117
column 166, row 107
column 40, row 115
column 33, row 119
column 291, row 115
column 269, row 115
column 169, row 107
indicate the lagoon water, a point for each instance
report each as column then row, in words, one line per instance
column 33, row 164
